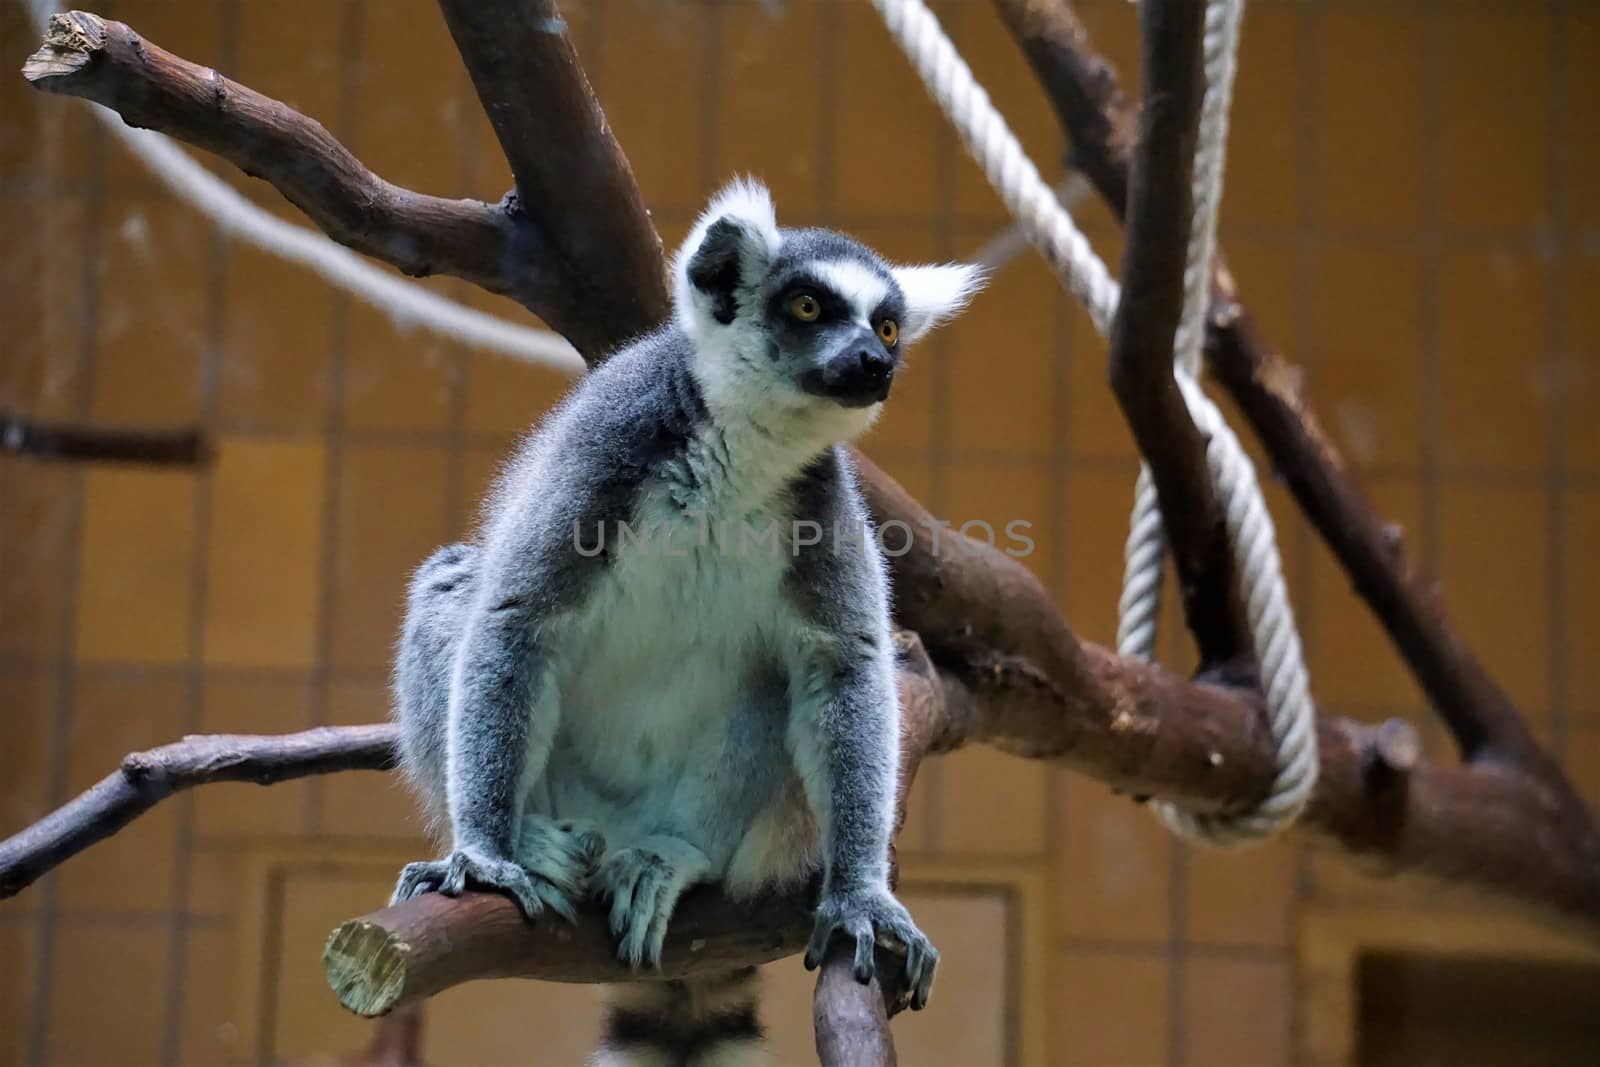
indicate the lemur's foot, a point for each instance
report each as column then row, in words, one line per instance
column 452, row 875
column 643, row 884
column 566, row 854
column 869, row 918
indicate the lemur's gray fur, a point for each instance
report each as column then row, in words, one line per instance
column 625, row 686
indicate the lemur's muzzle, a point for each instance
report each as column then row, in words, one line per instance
column 857, row 375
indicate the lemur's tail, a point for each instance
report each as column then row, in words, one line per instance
column 708, row 1021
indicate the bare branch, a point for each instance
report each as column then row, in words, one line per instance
column 1147, row 317
column 1406, row 600
column 574, row 184
column 1126, row 723
column 1483, row 720
column 56, row 441
column 850, row 1019
column 147, row 778
column 1081, row 87
column 1488, row 828
column 96, row 59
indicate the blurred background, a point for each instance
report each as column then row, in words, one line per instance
column 1412, row 209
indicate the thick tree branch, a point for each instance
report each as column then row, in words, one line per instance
column 147, row 778
column 1490, row 829
column 1127, row 723
column 1082, row 88
column 574, row 183
column 91, row 444
column 1147, row 317
column 96, row 59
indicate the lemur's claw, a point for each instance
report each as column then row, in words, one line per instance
column 643, row 884
column 465, row 868
column 867, row 920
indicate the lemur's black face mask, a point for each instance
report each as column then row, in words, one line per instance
column 856, row 371
column 834, row 349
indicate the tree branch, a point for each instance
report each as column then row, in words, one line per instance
column 1082, row 88
column 39, row 440
column 147, row 778
column 1489, row 829
column 1147, row 317
column 1126, row 723
column 96, row 59
column 574, row 184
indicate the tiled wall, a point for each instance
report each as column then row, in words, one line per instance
column 1413, row 209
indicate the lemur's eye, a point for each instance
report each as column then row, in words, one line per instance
column 888, row 332
column 805, row 307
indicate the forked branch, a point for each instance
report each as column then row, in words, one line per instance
column 97, row 59
column 145, row 779
column 1082, row 88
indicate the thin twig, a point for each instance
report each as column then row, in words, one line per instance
column 146, row 778
column 93, row 444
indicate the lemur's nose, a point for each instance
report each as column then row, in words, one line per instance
column 875, row 365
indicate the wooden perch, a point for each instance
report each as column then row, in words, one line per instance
column 91, row 444
column 1126, row 723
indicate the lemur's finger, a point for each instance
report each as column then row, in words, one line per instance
column 919, row 999
column 914, row 957
column 455, row 876
column 866, row 940
column 821, row 934
column 553, row 898
column 657, row 939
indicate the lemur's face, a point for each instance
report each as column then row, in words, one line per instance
column 809, row 316
column 831, row 311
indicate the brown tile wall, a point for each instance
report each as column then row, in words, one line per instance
column 1422, row 238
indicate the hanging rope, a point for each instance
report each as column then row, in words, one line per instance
column 1049, row 226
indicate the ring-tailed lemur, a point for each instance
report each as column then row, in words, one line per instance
column 666, row 659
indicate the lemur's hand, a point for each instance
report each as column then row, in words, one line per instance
column 874, row 917
column 466, row 867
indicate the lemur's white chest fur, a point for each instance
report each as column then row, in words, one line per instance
column 672, row 675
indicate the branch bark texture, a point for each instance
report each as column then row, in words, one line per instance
column 1153, row 262
column 575, row 188
column 146, row 778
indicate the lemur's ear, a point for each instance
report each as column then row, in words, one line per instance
column 732, row 244
column 935, row 295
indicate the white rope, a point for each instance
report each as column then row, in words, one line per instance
column 406, row 303
column 1251, row 537
column 1027, row 195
